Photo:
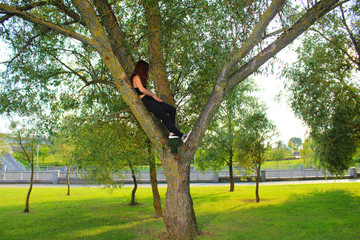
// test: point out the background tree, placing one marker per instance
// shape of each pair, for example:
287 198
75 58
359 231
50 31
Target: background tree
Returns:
27 139
278 153
218 147
248 45
325 86
4 145
295 143
257 131
65 150
308 149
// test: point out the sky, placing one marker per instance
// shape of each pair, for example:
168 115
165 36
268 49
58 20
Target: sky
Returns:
279 111
288 125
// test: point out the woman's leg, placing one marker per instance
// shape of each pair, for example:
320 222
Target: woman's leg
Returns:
170 110
159 111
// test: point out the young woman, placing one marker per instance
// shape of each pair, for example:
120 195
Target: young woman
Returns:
152 103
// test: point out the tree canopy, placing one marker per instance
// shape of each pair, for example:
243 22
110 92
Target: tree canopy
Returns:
326 88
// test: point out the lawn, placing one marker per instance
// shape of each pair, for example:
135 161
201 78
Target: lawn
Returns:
318 211
287 164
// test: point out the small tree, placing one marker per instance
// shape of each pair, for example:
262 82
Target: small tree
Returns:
4 146
65 149
307 151
257 130
295 143
44 152
218 148
27 140
278 153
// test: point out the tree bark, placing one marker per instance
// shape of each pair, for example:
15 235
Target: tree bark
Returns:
133 202
231 172
27 203
257 182
157 60
179 214
117 37
154 183
68 179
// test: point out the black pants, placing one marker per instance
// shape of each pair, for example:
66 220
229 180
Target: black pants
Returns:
161 110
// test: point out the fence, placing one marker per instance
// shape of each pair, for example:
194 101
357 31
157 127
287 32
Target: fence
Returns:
59 177
24 177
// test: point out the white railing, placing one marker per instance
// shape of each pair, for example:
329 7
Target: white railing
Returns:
40 177
195 176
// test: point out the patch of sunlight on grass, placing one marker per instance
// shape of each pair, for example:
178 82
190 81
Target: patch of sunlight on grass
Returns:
96 231
294 212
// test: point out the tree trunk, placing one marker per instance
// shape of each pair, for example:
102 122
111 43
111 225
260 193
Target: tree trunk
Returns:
154 186
135 185
68 179
27 207
231 174
257 182
179 215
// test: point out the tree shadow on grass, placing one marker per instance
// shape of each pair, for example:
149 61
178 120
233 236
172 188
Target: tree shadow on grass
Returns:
100 218
317 215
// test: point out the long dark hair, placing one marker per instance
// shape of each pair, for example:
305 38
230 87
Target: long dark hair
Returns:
141 70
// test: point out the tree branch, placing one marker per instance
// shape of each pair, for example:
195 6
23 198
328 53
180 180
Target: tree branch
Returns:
352 37
256 35
23 8
309 18
220 89
103 47
336 46
157 60
67 10
117 37
274 33
52 26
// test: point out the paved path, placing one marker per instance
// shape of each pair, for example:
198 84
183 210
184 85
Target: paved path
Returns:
148 185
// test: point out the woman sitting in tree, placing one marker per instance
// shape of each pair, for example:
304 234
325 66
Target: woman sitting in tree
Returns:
152 103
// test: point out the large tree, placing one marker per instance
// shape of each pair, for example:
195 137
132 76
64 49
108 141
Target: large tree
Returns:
325 86
248 43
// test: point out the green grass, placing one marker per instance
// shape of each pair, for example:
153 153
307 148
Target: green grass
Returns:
319 211
51 160
287 164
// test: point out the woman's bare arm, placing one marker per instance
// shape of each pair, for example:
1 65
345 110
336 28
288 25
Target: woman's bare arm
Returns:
138 84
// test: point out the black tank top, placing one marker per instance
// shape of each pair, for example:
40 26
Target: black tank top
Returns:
138 91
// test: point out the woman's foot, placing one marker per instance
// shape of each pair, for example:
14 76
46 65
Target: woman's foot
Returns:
172 135
185 136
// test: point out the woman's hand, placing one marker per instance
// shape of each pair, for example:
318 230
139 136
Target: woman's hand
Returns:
157 99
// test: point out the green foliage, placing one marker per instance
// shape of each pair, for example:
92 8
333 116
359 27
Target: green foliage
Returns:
105 148
278 153
325 90
218 147
308 150
4 145
295 143
257 131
